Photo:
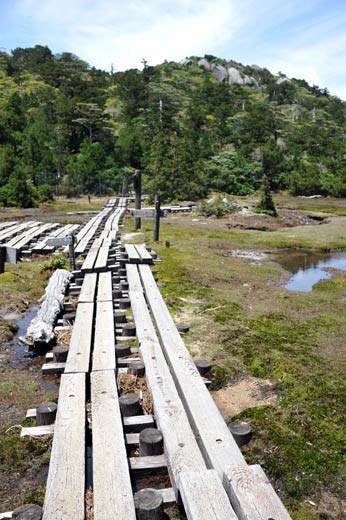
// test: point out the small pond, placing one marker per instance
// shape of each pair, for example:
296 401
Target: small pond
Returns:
20 354
308 267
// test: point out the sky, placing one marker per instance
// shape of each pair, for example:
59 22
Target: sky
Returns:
305 39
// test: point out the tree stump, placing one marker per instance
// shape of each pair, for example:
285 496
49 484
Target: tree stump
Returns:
60 354
129 405
28 512
241 432
45 413
203 366
129 329
150 442
148 504
136 368
122 350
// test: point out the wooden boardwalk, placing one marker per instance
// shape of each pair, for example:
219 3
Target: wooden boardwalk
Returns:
122 324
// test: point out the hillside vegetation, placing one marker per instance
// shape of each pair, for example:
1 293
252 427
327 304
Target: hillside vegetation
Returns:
195 126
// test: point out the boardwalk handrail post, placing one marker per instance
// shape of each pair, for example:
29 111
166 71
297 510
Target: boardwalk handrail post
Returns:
137 184
157 218
2 259
72 252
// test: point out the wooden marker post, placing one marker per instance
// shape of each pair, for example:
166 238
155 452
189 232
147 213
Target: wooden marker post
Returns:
137 184
71 252
2 259
157 218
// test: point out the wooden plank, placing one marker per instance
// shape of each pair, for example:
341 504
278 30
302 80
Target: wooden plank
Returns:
104 291
49 369
78 358
215 440
252 495
181 448
88 264
202 505
132 253
145 256
104 342
112 491
65 492
168 496
37 431
88 290
102 258
148 464
137 423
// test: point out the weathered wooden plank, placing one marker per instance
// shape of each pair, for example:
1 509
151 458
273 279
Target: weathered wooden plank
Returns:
37 431
137 423
168 496
88 264
202 505
112 492
148 464
181 448
252 495
49 369
65 492
88 290
101 260
132 253
104 290
104 342
215 440
78 358
145 256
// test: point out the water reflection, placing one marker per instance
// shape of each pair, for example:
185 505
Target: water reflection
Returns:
308 268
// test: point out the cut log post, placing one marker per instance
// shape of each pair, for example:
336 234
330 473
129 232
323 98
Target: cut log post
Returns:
2 259
149 504
124 303
124 286
117 294
120 316
241 432
46 413
122 350
69 317
60 354
150 442
183 327
40 331
136 368
129 405
203 366
28 512
129 329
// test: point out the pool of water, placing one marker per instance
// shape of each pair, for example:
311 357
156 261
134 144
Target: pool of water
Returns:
308 267
20 354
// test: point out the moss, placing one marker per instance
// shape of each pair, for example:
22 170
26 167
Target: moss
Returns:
17 453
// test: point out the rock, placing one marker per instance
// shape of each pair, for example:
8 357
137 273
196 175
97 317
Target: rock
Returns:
204 64
256 67
28 512
187 62
220 73
283 80
234 76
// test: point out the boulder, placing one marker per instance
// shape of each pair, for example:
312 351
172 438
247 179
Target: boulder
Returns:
234 76
220 73
187 62
283 80
256 67
204 64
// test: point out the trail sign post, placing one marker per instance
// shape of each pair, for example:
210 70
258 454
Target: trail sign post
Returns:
157 218
65 241
137 183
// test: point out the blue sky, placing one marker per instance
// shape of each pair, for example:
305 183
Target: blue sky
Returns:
301 38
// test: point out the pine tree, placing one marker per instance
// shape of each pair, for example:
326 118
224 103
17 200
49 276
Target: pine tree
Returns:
266 204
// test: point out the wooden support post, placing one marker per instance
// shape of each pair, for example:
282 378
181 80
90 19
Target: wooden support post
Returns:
136 368
72 252
137 183
45 413
60 354
129 405
203 366
2 259
122 350
241 432
129 329
148 504
157 219
150 442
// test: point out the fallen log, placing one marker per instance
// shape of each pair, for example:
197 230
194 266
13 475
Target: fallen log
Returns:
40 331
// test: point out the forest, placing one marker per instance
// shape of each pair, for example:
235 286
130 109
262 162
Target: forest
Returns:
67 128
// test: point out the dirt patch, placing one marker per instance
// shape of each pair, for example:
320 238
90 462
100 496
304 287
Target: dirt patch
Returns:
248 392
